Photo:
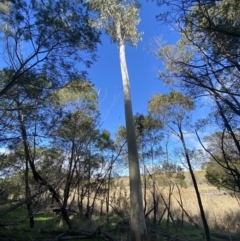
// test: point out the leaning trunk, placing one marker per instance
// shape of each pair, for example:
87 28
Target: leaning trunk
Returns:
204 220
36 175
137 219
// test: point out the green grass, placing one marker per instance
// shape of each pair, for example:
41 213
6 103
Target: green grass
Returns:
18 227
193 233
45 221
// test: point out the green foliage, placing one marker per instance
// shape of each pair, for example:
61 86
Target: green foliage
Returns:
219 176
104 140
110 14
149 135
146 123
76 91
171 109
75 125
174 98
221 19
143 124
223 167
56 33
170 174
205 60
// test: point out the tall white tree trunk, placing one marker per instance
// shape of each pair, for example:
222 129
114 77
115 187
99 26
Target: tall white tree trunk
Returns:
138 226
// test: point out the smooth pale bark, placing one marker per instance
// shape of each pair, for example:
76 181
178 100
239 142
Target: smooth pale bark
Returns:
138 226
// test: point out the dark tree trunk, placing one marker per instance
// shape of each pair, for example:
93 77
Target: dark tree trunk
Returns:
80 200
169 211
108 194
180 196
160 219
155 203
87 214
145 189
189 217
36 175
169 203
28 194
202 213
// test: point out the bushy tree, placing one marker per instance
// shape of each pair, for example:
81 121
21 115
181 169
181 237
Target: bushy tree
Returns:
222 170
41 36
42 42
205 60
174 110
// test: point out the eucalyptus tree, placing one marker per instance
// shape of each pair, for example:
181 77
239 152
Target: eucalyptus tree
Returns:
76 128
119 20
47 36
21 112
35 112
149 137
205 62
24 121
173 110
41 43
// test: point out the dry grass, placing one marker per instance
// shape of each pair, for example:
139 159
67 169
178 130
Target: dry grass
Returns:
221 208
222 211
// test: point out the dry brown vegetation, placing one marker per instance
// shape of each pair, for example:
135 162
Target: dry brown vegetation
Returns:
221 207
222 211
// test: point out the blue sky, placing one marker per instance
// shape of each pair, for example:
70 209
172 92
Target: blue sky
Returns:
142 66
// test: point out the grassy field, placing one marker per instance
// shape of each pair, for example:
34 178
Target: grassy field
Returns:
221 208
219 205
